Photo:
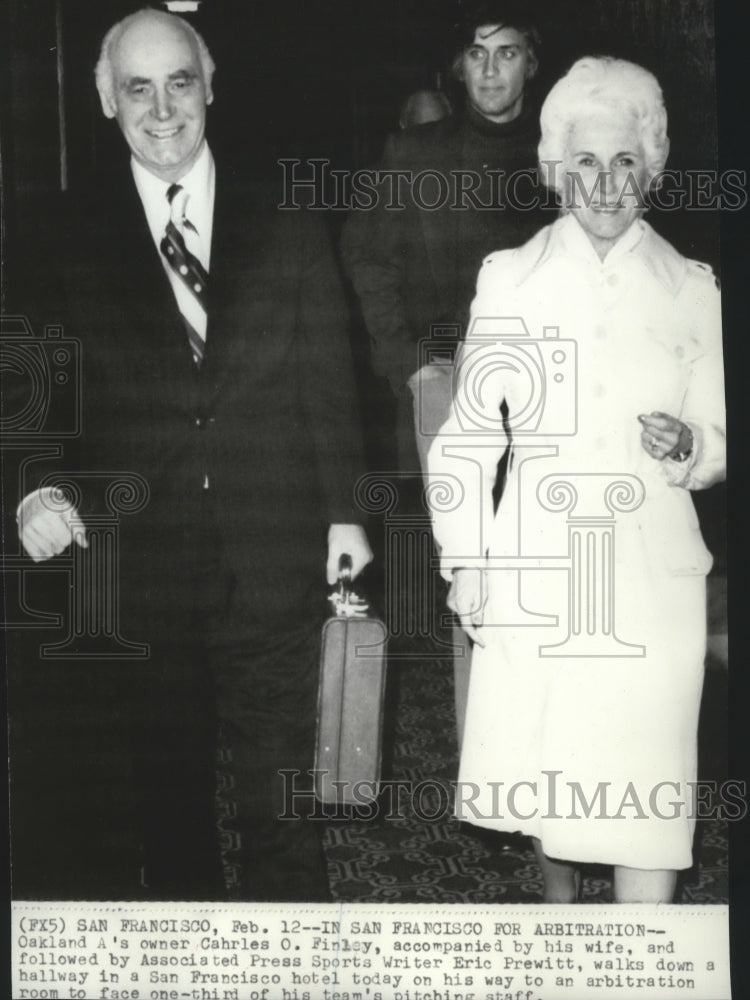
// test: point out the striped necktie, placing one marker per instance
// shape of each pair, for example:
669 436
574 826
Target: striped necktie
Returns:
189 270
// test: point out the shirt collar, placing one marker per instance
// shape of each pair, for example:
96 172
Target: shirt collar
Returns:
199 182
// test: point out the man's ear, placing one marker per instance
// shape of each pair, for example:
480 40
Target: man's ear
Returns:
532 66
109 107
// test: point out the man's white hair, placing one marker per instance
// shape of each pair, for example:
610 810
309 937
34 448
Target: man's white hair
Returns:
616 86
103 74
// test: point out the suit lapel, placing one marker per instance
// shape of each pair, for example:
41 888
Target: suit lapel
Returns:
244 266
143 288
239 271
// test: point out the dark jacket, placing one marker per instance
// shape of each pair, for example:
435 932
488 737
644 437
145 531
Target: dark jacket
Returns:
270 417
410 266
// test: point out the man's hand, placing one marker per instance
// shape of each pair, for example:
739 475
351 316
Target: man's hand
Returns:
467 597
347 539
438 367
45 525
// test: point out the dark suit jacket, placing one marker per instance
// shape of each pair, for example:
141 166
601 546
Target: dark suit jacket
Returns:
270 417
407 265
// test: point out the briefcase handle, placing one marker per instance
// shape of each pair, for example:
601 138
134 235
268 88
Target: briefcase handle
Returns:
344 601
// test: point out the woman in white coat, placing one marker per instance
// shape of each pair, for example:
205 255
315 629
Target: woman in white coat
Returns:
585 592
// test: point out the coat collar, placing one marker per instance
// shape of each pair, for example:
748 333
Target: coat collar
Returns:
565 238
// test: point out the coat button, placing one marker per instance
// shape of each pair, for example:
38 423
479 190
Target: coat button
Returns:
613 280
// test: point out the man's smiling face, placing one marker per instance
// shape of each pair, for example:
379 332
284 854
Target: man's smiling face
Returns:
159 95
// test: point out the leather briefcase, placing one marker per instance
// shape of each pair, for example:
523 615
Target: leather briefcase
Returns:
350 700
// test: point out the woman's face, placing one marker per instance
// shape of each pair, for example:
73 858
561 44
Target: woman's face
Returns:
605 176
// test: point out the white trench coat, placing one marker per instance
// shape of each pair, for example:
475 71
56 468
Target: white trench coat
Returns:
583 704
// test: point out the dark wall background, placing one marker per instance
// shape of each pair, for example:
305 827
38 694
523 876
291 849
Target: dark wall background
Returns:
326 78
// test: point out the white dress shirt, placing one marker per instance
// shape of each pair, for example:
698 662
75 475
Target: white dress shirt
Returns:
199 186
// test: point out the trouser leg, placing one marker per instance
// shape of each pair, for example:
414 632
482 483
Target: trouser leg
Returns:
72 824
267 702
174 757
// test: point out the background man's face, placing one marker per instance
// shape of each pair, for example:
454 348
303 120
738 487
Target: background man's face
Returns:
160 96
495 69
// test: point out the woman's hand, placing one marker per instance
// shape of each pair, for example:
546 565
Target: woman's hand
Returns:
664 436
467 597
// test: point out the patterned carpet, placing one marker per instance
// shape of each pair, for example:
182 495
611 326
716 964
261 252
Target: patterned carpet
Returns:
415 852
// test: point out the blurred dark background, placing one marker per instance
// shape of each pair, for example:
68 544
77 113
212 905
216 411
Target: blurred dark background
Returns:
326 78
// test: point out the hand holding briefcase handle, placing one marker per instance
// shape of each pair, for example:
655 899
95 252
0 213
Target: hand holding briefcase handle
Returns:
350 699
345 603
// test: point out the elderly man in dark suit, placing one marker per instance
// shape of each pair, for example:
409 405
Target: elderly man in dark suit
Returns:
216 368
414 267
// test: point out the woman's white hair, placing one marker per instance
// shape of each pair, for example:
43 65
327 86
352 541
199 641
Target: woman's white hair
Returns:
614 85
103 73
